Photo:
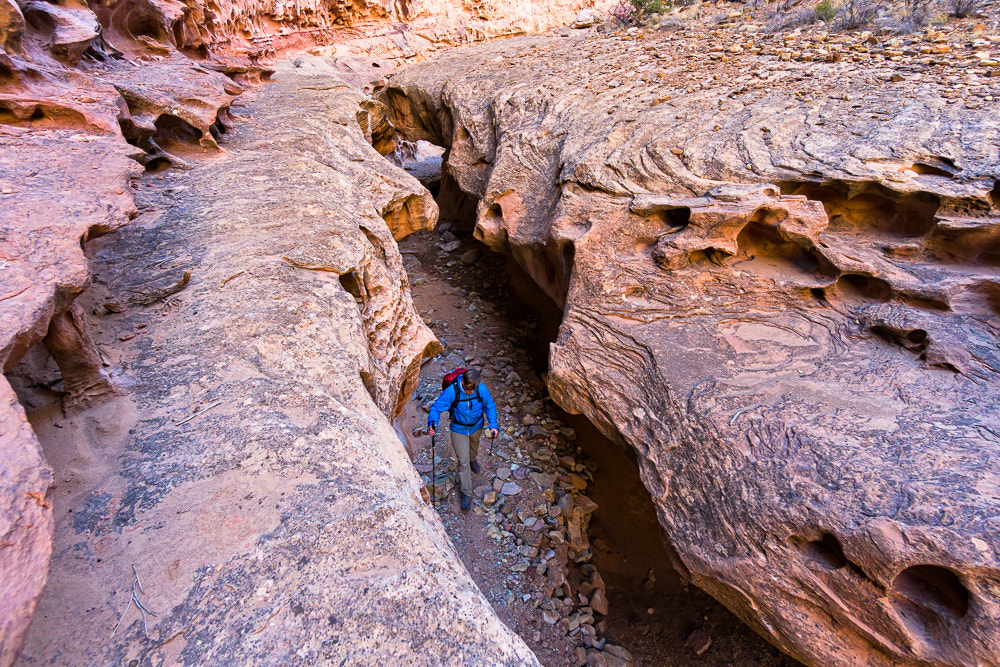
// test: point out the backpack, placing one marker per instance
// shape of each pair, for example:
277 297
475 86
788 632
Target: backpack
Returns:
452 379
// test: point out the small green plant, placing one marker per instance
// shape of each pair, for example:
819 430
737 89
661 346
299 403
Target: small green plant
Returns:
636 12
643 8
825 11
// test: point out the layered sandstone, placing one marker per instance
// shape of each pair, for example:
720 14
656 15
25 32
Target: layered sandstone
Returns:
779 287
92 92
258 493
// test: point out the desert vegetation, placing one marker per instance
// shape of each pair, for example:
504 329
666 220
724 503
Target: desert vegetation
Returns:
892 16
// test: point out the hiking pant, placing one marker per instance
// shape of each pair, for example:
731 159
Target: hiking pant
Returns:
466 449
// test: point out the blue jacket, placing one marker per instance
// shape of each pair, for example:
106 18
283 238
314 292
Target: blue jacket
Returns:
468 411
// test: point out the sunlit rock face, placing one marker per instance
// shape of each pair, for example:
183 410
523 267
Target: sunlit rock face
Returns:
779 288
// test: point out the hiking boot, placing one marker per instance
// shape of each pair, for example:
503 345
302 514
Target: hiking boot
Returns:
466 501
475 466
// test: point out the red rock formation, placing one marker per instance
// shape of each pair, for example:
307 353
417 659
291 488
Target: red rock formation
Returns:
25 523
781 295
90 93
68 341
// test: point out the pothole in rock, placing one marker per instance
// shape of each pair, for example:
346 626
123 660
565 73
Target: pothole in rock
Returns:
609 589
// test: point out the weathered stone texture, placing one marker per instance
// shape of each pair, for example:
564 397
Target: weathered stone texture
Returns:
82 188
779 288
78 81
25 523
267 504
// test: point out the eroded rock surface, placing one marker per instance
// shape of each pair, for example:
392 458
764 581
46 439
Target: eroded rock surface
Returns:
65 176
92 92
780 288
44 212
25 523
248 471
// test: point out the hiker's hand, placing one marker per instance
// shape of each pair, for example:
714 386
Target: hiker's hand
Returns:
431 430
493 432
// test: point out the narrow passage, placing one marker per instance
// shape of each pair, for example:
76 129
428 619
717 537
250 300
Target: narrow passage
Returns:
520 543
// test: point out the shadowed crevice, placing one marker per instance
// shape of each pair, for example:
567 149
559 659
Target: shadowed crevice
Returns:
933 588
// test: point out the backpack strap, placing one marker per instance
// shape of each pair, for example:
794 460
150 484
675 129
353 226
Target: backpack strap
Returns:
458 398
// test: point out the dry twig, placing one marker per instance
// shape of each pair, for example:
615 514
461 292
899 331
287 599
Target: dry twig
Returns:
200 412
136 584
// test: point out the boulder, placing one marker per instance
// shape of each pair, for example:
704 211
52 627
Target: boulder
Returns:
73 29
586 18
11 25
796 333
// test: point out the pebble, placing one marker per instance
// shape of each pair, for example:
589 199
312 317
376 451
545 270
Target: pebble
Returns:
698 641
510 489
599 603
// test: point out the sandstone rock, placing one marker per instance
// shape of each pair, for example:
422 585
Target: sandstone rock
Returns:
44 233
73 28
544 481
510 489
537 432
306 532
470 257
596 659
585 19
25 524
698 641
599 603
614 659
171 106
812 342
69 343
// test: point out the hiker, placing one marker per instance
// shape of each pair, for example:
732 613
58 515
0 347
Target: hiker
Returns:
468 402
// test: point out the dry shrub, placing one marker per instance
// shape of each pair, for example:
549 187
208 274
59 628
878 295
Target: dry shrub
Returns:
857 14
964 8
781 20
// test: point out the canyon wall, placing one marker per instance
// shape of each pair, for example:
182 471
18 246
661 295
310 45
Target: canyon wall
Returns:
246 486
777 259
92 93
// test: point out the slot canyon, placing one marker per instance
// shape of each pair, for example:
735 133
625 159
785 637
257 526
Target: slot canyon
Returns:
731 271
